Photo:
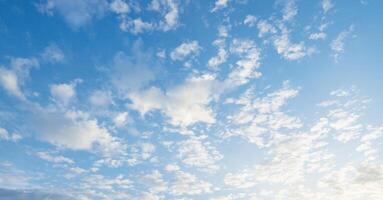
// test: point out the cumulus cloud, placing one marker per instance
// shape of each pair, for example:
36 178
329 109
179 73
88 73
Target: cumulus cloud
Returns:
289 50
170 12
64 93
119 7
14 77
219 4
248 63
184 50
75 130
250 20
180 103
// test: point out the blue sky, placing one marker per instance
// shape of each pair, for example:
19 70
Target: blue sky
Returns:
168 99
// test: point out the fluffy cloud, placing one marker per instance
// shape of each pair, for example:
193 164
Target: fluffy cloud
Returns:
63 93
250 20
75 130
119 6
180 103
247 64
14 77
169 10
219 4
184 50
289 50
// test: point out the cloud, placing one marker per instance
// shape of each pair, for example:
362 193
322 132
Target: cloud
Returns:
31 195
75 130
247 64
136 26
14 77
101 98
327 5
265 27
193 152
337 45
54 158
180 103
219 4
188 184
121 119
64 93
184 50
5 135
289 50
250 20
132 72
223 54
119 7
77 13
170 12
53 54
290 10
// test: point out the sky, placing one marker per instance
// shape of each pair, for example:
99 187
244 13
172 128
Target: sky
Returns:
209 100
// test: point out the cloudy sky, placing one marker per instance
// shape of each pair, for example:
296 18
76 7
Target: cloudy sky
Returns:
173 99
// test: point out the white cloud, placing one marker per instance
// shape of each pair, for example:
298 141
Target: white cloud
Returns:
337 45
250 20
63 93
222 55
77 13
121 119
327 5
170 12
219 4
75 130
317 36
10 83
193 152
101 98
14 77
5 135
54 158
265 27
180 103
247 64
119 7
289 50
135 26
184 50
53 54
188 184
290 10
259 116
154 181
